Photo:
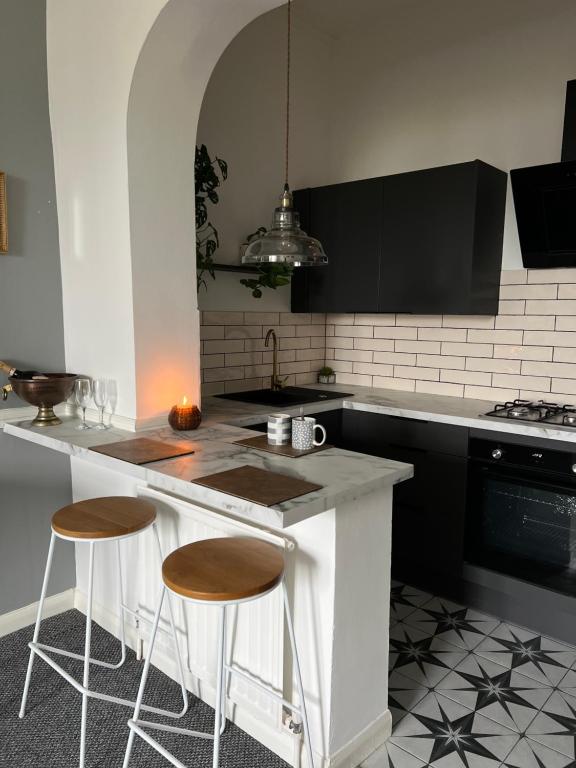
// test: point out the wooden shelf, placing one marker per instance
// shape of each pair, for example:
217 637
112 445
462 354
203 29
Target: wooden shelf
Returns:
235 268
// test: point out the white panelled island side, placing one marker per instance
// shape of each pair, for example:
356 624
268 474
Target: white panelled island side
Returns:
337 543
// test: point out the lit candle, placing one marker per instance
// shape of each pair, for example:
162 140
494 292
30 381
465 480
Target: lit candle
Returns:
184 416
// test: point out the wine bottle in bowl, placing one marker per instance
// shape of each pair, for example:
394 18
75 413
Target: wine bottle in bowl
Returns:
15 373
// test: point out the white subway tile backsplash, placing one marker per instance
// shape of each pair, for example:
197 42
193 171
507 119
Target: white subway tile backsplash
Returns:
566 323
355 355
442 334
546 291
375 320
564 386
528 349
491 365
440 388
468 321
222 318
513 307
495 337
378 345
367 331
340 342
395 333
552 338
441 361
518 352
373 369
420 321
466 349
466 377
560 370
552 275
526 322
514 276
513 381
389 382
262 318
395 358
495 394
559 307
412 372
426 347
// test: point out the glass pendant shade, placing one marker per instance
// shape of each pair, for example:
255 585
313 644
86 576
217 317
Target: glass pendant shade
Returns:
285 243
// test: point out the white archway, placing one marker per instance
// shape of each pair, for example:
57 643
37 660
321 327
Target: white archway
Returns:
125 90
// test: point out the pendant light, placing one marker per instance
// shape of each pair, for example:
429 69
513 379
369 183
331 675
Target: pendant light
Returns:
286 243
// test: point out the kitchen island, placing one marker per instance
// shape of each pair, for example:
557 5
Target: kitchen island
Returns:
337 543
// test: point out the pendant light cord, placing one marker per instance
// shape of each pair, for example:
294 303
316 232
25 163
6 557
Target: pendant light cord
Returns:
288 93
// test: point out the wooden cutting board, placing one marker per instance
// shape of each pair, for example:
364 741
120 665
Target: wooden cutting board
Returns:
258 485
260 442
143 450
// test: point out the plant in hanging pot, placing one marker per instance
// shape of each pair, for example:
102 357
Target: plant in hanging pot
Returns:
326 375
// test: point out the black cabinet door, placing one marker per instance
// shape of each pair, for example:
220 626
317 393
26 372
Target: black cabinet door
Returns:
346 219
427 239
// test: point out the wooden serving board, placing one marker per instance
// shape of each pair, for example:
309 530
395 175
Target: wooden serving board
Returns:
258 485
143 450
261 444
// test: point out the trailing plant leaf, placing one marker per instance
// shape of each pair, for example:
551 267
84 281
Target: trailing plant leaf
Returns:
269 276
208 175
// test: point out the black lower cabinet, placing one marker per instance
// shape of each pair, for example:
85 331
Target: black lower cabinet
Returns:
429 510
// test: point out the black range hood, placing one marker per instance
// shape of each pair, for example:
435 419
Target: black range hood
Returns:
545 202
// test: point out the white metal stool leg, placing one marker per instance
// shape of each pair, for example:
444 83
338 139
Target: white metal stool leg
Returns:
298 676
145 671
121 606
87 643
174 633
38 621
219 680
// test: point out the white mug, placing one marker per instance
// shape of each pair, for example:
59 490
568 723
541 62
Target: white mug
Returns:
303 430
279 428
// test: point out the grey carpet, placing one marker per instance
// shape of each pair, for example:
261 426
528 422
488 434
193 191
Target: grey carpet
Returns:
49 735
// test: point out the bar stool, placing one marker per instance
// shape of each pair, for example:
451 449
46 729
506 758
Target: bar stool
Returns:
112 518
222 572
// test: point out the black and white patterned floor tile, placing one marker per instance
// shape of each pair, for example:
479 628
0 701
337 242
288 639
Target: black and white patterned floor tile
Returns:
451 622
444 734
421 657
469 691
531 654
404 600
497 692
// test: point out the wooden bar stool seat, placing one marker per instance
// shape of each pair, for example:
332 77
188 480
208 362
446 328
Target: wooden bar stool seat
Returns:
108 517
223 570
223 573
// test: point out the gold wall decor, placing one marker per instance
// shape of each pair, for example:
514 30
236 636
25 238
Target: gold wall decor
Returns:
3 215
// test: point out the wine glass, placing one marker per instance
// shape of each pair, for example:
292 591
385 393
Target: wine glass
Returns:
100 394
82 395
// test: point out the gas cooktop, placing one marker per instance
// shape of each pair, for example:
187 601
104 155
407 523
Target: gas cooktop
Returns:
540 412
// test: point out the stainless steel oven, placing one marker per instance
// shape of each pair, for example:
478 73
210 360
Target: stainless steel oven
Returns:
521 511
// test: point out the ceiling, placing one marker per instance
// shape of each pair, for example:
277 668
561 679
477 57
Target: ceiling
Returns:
405 27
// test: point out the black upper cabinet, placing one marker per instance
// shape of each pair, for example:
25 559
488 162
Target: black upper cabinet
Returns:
421 242
346 219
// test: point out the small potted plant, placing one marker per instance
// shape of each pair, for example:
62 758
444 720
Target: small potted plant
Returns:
326 375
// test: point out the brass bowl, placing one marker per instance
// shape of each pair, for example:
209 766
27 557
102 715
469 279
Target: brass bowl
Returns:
45 393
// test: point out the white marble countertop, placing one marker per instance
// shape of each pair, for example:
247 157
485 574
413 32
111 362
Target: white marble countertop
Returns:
343 475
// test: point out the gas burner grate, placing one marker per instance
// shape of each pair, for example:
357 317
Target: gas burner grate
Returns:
541 411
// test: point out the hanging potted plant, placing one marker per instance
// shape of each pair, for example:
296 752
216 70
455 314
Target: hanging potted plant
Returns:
208 175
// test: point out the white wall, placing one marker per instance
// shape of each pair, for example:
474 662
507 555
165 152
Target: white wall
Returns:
386 87
243 121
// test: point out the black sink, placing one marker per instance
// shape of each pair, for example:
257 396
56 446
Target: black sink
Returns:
283 398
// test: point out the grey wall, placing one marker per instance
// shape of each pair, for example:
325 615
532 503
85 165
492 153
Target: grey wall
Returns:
33 481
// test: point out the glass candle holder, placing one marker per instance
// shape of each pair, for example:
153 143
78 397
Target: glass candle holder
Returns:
184 416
